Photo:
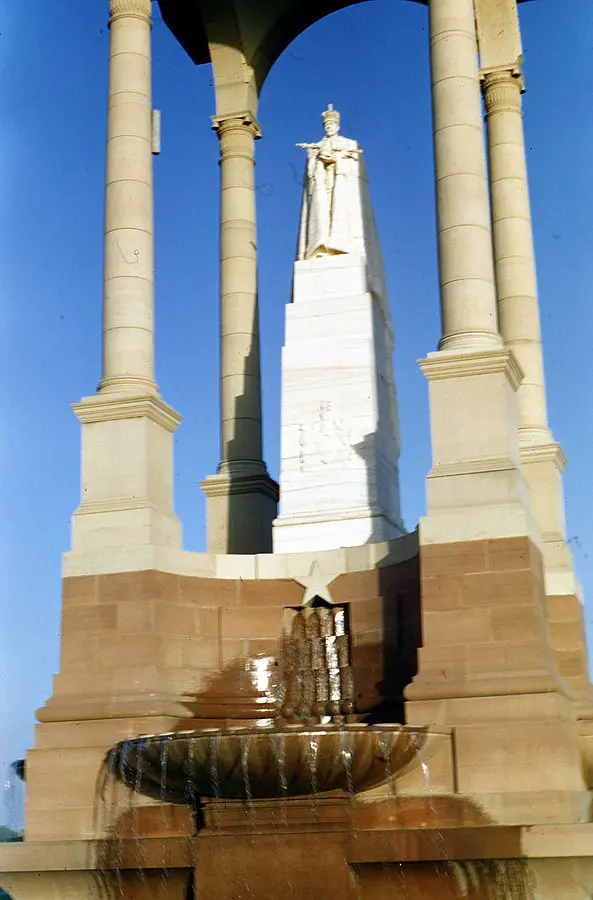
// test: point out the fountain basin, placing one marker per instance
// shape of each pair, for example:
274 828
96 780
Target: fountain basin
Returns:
264 762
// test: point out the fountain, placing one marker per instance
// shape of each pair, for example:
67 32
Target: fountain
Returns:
264 762
307 748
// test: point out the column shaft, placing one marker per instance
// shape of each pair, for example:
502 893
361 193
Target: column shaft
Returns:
241 426
128 341
468 296
513 248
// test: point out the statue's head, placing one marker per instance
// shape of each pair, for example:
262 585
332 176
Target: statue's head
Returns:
331 120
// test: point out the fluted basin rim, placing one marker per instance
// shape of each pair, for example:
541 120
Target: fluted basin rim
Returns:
248 763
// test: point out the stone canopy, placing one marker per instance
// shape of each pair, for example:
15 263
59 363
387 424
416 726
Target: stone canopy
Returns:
244 38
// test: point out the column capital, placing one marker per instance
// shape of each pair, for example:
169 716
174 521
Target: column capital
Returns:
502 88
237 133
239 121
137 9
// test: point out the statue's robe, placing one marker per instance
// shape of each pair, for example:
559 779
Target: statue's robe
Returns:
330 199
341 219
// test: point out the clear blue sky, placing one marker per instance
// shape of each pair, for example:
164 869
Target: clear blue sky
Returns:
371 61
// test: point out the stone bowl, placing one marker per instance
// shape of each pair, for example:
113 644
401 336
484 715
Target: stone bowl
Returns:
263 762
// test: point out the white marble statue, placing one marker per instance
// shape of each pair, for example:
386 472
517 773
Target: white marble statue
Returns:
337 215
332 192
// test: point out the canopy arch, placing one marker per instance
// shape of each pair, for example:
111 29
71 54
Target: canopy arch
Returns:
244 38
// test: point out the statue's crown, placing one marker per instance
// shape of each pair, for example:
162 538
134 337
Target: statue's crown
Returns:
330 114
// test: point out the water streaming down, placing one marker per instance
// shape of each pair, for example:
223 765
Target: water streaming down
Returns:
107 815
164 750
14 798
140 852
492 879
315 666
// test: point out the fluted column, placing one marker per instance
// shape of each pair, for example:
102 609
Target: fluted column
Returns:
240 384
468 297
513 247
241 498
128 343
475 486
127 433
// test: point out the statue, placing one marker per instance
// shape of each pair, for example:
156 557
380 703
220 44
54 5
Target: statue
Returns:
332 192
340 431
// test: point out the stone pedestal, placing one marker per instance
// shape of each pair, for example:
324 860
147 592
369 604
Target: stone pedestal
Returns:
240 511
127 474
340 443
487 669
475 488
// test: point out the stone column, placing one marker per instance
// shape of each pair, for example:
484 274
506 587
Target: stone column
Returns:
542 458
128 341
513 248
240 384
127 446
242 498
468 296
475 485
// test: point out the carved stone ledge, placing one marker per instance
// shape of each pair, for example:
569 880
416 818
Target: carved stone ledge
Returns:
105 408
445 364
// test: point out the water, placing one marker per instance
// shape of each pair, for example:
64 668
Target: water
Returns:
245 743
140 853
315 667
313 761
162 890
492 879
14 800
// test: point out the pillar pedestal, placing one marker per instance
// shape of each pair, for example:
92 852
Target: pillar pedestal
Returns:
240 511
127 474
475 488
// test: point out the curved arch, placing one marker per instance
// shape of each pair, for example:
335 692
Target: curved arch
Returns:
243 39
189 21
291 23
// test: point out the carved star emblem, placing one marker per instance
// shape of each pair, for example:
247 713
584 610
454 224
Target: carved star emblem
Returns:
316 584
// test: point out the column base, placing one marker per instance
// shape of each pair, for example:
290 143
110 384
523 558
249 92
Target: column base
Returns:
475 489
241 509
127 474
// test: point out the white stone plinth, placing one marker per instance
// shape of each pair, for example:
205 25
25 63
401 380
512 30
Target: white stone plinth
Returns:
339 472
